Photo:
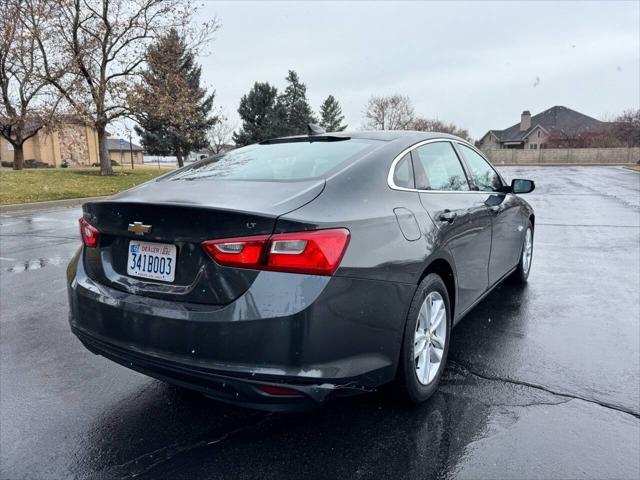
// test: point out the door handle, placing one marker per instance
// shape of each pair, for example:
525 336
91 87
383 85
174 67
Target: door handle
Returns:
447 216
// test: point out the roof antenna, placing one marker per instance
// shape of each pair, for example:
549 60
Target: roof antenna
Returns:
313 129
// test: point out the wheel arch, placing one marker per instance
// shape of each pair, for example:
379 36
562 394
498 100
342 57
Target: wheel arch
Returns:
443 267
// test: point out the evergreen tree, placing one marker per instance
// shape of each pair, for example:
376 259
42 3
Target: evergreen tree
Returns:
262 116
331 115
296 108
172 109
265 114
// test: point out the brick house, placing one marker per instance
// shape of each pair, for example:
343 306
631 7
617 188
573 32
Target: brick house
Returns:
532 131
73 142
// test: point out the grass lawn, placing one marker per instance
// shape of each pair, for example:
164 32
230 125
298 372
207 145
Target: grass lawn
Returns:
633 166
42 184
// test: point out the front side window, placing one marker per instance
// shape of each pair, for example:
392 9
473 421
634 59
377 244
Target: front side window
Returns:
484 176
278 161
438 168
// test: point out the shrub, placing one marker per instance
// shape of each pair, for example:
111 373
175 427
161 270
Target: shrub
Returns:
113 164
31 163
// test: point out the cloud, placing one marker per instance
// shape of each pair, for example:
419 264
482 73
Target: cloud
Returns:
472 63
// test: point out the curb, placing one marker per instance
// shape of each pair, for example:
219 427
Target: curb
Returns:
69 202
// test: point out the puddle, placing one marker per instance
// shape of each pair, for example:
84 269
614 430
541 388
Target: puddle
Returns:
36 264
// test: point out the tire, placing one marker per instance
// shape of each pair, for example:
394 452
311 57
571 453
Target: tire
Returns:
417 384
521 274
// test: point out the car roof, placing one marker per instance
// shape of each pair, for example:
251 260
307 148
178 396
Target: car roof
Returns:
383 135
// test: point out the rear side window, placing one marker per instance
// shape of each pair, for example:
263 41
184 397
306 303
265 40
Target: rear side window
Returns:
438 168
403 173
484 176
279 161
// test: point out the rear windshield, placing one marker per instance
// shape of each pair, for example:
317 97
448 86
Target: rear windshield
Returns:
279 161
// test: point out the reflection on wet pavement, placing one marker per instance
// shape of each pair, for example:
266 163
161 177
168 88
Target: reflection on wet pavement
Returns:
36 264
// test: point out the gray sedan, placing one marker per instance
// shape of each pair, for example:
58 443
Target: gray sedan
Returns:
281 274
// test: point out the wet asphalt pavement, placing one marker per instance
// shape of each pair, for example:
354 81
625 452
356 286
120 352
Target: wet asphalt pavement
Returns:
542 381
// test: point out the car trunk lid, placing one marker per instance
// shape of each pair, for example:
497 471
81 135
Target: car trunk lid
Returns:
185 214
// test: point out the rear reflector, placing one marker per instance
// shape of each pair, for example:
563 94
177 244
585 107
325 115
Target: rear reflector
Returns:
90 234
279 391
315 252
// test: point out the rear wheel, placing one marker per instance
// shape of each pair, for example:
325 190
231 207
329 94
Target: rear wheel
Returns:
426 340
521 274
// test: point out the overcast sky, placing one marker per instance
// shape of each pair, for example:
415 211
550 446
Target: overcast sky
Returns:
478 64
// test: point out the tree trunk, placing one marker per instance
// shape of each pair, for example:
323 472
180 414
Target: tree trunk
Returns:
180 159
18 156
105 161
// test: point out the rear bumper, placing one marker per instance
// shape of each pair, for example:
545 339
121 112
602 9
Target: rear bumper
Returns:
319 336
225 388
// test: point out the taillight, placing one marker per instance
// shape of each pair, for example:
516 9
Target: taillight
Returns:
237 252
316 252
90 234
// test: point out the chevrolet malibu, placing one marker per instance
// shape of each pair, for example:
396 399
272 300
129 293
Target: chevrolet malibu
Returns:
281 274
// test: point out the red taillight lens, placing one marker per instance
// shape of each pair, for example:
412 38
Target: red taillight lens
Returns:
237 252
90 234
316 252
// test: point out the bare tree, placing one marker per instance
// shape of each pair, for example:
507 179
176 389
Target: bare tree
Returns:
626 128
603 136
622 131
28 104
100 46
434 125
561 138
221 134
393 112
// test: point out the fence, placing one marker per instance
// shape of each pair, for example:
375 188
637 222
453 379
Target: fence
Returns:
565 156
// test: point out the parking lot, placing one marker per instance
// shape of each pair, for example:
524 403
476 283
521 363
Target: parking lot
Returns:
542 381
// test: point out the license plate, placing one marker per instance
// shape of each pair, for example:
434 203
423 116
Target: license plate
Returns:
156 261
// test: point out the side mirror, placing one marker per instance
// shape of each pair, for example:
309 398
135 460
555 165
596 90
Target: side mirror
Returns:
522 186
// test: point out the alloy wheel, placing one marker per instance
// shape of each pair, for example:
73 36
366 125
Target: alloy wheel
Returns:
527 252
430 337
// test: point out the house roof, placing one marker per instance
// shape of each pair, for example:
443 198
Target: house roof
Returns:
114 144
557 117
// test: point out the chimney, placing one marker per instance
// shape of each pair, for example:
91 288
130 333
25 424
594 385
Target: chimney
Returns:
525 121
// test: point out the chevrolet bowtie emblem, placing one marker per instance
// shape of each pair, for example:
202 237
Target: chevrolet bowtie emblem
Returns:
138 228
